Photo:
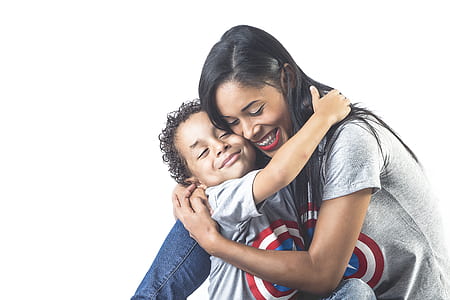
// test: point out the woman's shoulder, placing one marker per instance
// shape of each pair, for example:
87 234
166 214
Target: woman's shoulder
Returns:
355 131
367 137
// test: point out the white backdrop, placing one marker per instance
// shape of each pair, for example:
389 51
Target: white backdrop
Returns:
85 87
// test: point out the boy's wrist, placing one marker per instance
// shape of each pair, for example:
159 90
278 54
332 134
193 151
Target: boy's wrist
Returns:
326 119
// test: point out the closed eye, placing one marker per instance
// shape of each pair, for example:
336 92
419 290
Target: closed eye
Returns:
203 153
224 134
257 112
233 123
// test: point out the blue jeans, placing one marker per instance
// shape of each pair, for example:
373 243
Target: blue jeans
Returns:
351 289
181 266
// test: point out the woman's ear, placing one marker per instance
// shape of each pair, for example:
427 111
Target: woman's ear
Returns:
287 77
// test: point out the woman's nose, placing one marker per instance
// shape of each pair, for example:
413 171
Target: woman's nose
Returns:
247 130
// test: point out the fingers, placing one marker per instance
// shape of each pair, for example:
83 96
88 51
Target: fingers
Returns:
191 187
199 205
179 192
315 96
175 201
189 203
185 203
188 191
346 101
208 205
175 204
343 97
334 93
177 208
199 192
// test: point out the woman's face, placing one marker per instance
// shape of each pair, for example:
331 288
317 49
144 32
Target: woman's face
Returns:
260 115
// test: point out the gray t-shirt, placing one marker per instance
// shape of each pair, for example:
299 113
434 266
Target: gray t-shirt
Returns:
272 224
400 253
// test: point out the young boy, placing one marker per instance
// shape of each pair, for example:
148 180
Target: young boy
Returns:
254 207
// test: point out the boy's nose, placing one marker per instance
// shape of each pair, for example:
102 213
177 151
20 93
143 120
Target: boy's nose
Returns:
221 147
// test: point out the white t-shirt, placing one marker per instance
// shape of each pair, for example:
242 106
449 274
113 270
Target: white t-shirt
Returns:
273 224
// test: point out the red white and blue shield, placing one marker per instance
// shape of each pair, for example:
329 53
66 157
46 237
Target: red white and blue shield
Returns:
367 261
280 235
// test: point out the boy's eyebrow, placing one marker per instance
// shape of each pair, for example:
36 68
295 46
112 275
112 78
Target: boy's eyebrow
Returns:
194 144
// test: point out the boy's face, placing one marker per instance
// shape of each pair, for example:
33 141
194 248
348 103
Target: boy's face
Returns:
213 155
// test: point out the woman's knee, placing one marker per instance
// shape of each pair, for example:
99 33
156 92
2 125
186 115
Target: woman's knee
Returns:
350 289
357 288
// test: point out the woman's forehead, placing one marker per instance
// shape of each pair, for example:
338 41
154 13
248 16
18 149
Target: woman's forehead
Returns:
232 96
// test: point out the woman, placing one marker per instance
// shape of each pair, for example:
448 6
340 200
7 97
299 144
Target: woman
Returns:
378 217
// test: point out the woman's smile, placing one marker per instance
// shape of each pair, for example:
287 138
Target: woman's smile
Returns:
270 141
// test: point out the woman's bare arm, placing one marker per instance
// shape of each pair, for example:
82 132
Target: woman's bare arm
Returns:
317 270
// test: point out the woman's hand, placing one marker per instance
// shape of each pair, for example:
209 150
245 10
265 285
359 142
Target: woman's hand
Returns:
193 210
333 106
178 193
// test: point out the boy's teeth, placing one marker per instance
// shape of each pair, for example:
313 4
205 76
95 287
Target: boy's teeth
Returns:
269 140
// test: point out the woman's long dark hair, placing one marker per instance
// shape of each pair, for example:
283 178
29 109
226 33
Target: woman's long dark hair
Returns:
253 58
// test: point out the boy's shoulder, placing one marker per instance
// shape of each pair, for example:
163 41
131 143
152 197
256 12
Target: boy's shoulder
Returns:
233 185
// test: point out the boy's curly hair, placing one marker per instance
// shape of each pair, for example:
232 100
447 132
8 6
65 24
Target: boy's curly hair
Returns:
171 156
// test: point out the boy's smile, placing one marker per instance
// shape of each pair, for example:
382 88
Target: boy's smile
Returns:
229 160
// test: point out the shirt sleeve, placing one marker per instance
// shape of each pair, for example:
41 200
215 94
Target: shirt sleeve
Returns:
232 201
353 162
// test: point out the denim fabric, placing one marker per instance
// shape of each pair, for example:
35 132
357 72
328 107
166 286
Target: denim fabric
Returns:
179 268
351 289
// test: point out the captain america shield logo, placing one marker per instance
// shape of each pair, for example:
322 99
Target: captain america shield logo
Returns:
367 261
280 235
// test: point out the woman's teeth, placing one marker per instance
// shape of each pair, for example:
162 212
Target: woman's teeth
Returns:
268 140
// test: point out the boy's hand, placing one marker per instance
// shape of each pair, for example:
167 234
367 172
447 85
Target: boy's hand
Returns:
200 193
333 106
